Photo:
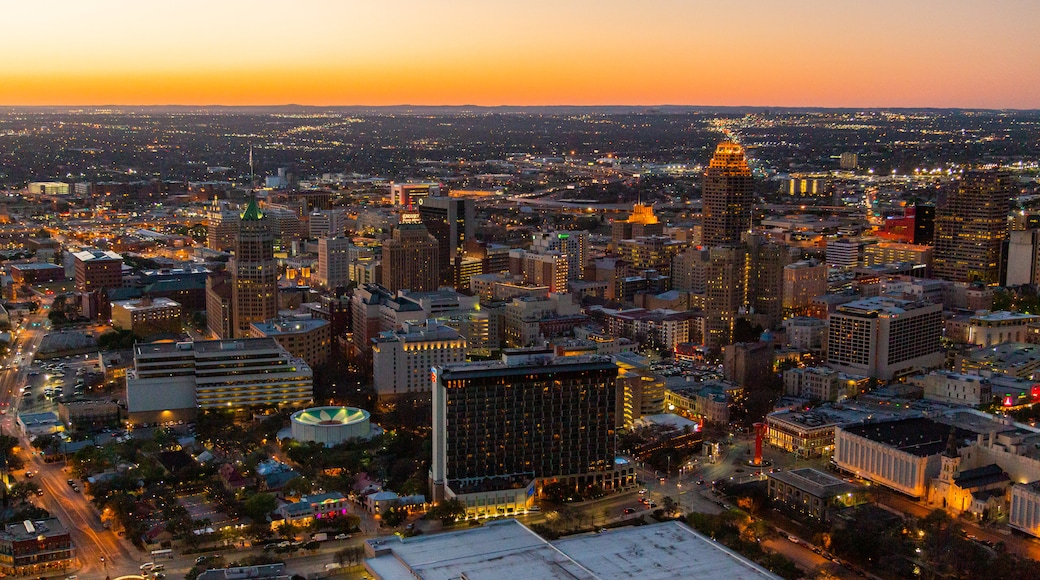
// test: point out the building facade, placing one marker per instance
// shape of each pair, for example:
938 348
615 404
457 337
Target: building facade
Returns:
402 359
254 273
728 196
306 338
885 337
411 259
971 223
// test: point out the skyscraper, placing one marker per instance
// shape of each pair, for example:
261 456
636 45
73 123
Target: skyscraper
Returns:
451 220
411 259
727 198
499 426
254 272
970 225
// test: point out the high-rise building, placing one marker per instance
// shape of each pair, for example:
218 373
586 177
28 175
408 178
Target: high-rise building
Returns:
306 338
97 270
548 269
970 226
728 195
218 305
573 245
849 160
328 223
885 337
725 293
803 281
1023 258
844 253
892 252
924 223
254 273
402 359
334 257
498 427
222 229
651 252
411 259
451 220
409 195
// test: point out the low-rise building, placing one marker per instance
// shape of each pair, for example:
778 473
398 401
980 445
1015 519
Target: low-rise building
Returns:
36 548
1024 514
82 415
822 384
812 492
311 507
1014 359
954 388
148 316
806 333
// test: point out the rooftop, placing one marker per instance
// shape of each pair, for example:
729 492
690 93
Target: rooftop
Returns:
288 326
146 304
918 436
816 483
658 551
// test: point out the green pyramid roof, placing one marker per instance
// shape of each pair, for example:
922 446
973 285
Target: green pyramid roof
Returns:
252 212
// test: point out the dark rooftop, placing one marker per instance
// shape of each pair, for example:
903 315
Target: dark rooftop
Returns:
918 436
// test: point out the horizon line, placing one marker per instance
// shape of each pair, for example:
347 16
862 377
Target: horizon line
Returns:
513 106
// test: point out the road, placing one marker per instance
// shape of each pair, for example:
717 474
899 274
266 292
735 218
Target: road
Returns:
99 551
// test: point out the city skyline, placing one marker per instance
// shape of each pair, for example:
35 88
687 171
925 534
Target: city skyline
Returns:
813 53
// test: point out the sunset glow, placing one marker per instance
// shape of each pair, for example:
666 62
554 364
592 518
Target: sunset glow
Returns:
324 52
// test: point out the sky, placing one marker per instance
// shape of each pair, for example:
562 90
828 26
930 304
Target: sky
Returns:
827 53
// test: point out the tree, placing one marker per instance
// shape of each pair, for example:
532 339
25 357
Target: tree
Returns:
23 490
448 511
394 515
259 506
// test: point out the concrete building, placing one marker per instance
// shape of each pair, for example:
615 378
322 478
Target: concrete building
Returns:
97 270
641 222
747 362
550 269
502 429
971 223
728 196
148 316
411 195
803 281
903 455
334 260
640 393
892 253
402 359
813 493
1014 359
806 333
222 229
328 223
411 259
170 381
656 551
822 384
651 253
844 254
527 321
306 338
573 245
1023 258
218 305
254 272
1024 514
885 338
664 328
954 388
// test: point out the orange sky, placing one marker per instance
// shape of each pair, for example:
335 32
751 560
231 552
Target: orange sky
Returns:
941 53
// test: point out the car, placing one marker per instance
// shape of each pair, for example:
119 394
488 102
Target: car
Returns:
642 491
284 544
158 575
700 482
534 508
341 537
39 493
629 511
29 474
201 559
147 566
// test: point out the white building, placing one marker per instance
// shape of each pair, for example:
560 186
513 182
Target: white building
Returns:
334 256
1025 508
885 337
402 359
821 384
328 223
409 194
844 253
171 380
991 328
806 333
954 388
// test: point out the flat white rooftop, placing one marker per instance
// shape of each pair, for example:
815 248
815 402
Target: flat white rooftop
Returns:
508 549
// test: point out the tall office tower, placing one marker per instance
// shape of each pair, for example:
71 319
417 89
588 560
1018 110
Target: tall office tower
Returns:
885 337
411 194
222 229
573 245
728 196
550 269
218 304
651 253
765 280
924 223
451 220
334 259
285 226
803 281
411 259
849 161
725 293
498 427
1023 258
254 273
970 226
328 223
